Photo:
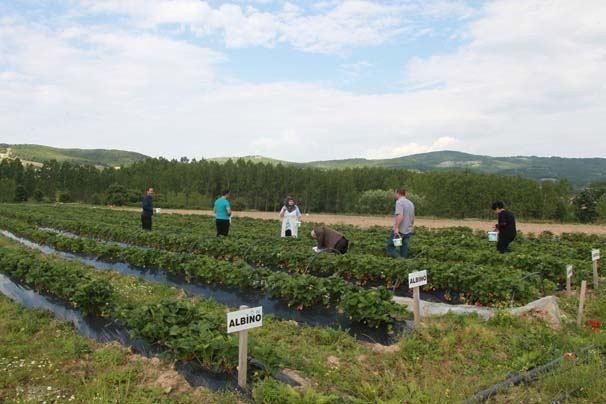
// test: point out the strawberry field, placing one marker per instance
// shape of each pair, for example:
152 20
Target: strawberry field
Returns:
462 264
463 267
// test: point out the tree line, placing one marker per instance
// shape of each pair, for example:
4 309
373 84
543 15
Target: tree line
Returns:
262 186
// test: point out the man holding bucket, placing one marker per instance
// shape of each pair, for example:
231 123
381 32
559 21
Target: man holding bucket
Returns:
397 245
506 227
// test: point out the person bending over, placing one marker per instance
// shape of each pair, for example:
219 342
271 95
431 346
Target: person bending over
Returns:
329 239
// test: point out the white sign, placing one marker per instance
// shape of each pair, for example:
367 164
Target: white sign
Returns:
416 279
595 254
569 271
244 319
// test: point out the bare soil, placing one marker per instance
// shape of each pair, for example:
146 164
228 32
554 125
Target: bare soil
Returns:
386 221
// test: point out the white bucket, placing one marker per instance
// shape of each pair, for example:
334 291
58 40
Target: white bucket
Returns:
397 242
492 236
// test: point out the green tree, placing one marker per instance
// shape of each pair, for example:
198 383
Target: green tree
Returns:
38 195
7 189
116 194
585 206
21 193
376 201
600 207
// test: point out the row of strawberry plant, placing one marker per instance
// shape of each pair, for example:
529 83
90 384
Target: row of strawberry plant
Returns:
190 331
454 244
477 283
360 267
300 290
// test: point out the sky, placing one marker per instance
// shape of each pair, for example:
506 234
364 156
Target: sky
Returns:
306 80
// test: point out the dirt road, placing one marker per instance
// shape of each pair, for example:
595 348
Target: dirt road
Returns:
367 221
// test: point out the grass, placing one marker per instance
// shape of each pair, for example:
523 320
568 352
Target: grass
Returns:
44 360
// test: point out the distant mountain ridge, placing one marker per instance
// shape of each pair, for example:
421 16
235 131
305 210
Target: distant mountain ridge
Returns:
579 171
37 154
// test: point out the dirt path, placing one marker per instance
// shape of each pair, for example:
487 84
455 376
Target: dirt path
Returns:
367 221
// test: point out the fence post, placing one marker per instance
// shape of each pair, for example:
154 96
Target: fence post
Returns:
581 303
596 278
243 355
416 304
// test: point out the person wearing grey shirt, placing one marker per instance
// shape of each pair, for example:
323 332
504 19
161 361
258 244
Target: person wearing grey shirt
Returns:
402 228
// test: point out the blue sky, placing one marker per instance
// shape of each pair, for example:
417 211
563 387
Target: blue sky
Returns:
305 80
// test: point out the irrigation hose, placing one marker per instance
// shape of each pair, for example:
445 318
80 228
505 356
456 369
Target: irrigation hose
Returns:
485 394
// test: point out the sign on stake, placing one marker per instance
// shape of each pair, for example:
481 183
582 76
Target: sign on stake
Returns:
415 281
595 259
569 279
595 254
241 321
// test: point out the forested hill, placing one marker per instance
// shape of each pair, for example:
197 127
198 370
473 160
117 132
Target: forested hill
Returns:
579 171
97 157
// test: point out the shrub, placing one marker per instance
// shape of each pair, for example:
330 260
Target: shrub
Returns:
377 201
64 197
116 195
21 193
38 195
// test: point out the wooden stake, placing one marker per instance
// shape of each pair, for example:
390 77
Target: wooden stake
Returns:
581 303
416 304
568 280
243 356
596 278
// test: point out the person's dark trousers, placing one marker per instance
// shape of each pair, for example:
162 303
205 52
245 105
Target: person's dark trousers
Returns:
146 222
503 243
222 227
342 245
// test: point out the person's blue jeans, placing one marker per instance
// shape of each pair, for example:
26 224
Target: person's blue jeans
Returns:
398 252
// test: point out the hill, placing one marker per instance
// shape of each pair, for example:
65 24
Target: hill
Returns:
579 171
97 157
253 159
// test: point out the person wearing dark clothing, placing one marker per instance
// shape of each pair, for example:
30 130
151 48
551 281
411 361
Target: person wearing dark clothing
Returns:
329 239
148 209
506 227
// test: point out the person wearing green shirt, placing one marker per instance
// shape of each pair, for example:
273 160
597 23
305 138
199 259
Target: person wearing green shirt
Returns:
222 211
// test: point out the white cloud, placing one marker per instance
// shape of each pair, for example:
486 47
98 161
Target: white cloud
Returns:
324 27
530 79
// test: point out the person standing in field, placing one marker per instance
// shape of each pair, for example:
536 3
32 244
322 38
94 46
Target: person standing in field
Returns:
329 239
291 218
402 227
222 211
147 209
506 227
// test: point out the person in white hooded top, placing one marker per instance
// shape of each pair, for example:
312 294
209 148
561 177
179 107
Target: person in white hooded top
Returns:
291 217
